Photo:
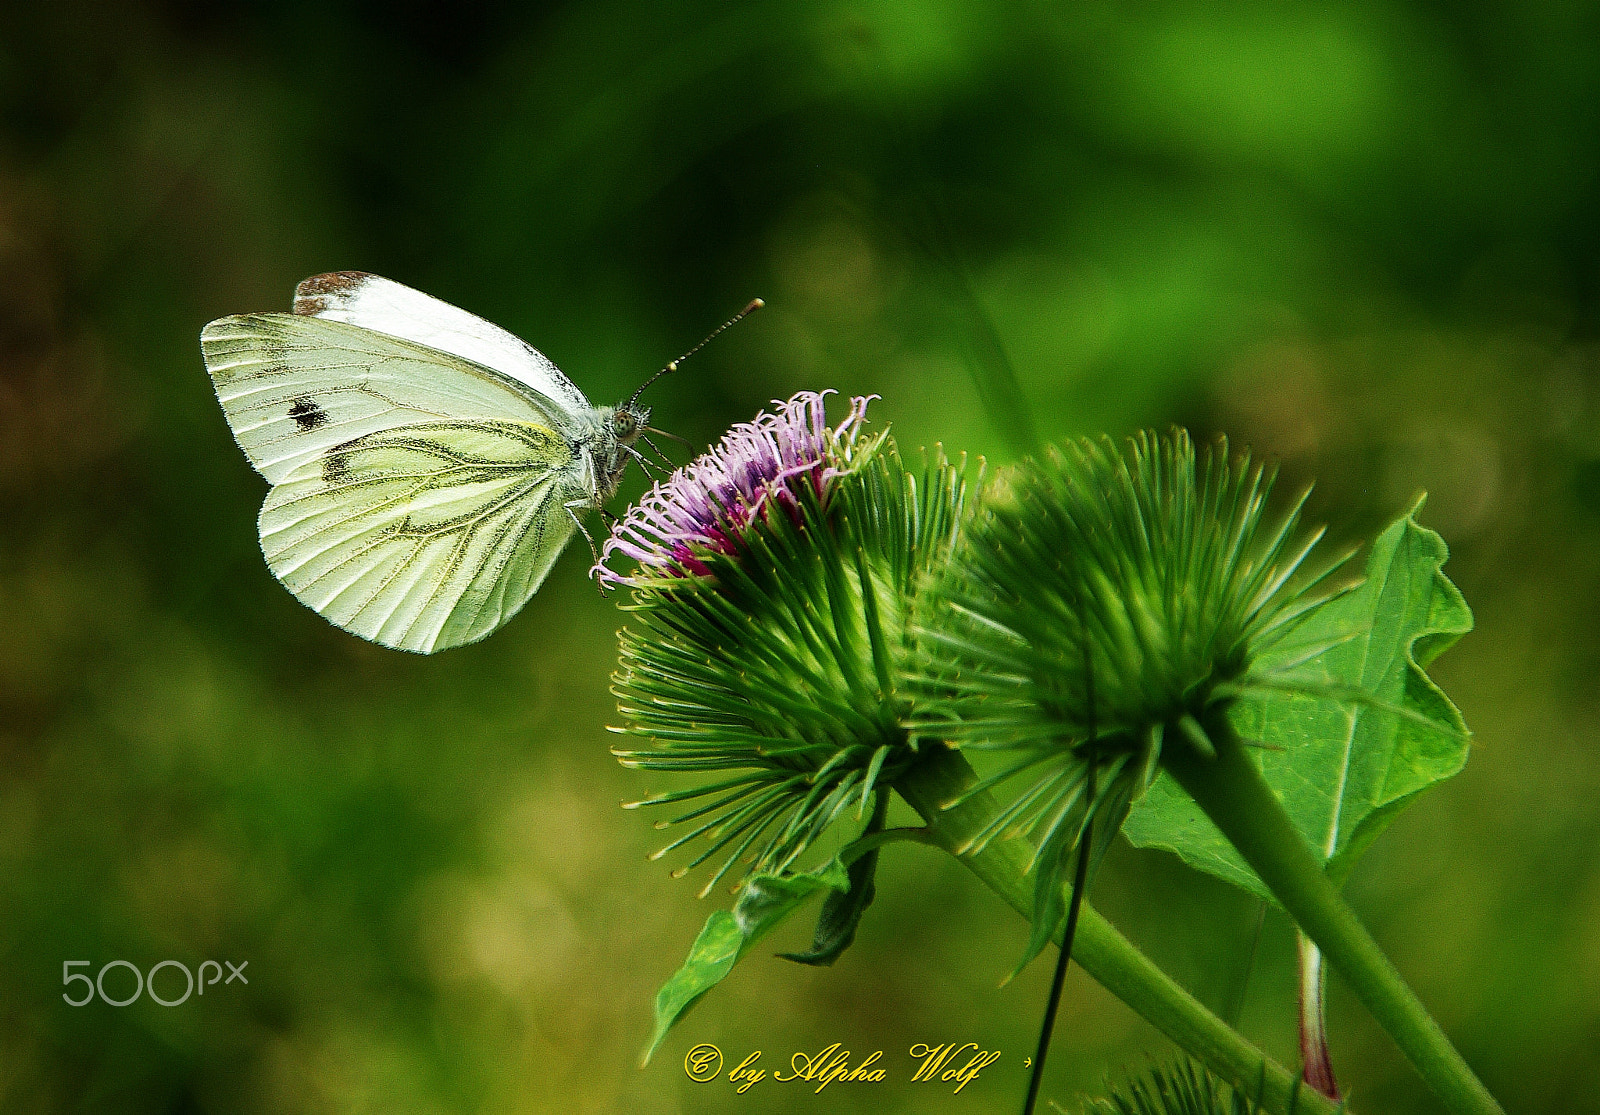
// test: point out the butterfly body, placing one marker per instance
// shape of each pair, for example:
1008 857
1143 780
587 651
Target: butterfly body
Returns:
427 468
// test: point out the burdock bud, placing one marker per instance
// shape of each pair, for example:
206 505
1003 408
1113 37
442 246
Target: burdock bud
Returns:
1102 608
774 577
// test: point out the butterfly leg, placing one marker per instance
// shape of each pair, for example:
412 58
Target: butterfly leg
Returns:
657 448
573 506
643 463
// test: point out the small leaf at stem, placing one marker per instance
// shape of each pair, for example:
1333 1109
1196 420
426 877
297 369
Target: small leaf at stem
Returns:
841 914
764 902
842 910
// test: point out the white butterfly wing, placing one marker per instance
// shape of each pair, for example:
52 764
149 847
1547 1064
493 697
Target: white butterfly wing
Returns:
423 536
293 387
418 498
374 302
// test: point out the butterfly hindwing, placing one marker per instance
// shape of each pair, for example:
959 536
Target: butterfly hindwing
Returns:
426 535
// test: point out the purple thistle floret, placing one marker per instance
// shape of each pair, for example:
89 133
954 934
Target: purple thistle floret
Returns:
705 504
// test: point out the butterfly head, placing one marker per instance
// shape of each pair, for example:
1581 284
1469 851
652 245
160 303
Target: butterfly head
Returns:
611 443
628 422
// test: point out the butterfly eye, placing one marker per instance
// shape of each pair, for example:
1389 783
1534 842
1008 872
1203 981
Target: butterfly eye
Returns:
624 424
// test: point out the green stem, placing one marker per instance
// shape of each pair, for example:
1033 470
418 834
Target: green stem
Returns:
1238 800
1099 949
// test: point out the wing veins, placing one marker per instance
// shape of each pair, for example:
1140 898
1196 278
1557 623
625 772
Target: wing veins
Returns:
502 586
511 523
420 484
463 543
423 537
460 549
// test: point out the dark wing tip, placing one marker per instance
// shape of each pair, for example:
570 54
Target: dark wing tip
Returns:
313 295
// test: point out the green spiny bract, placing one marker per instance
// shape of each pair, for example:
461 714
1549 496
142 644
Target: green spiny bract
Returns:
1103 605
769 630
1184 1088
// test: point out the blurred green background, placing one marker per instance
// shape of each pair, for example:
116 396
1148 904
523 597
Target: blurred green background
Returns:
1362 237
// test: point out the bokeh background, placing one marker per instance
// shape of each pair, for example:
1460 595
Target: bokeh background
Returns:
1360 236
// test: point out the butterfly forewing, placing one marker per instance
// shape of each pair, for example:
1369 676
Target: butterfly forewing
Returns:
374 302
426 535
294 387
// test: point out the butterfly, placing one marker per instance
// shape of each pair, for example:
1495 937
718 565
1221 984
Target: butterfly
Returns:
427 467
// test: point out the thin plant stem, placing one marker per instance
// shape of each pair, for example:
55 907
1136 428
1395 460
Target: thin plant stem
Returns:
1080 880
1232 792
943 776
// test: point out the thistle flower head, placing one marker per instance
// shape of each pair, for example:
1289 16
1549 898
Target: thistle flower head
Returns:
1106 603
1112 593
768 627
758 465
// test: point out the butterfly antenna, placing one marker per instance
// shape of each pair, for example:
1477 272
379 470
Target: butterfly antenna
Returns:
665 434
755 304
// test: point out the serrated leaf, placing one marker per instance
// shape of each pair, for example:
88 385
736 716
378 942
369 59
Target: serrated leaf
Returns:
1343 769
1185 1088
764 902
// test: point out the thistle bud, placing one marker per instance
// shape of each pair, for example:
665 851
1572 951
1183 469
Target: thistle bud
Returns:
768 631
1107 603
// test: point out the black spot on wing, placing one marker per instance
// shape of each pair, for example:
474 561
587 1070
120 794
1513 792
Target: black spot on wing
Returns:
308 415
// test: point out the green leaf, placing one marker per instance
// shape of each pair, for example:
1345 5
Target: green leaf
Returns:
841 914
764 902
1343 768
1052 869
1185 1088
842 910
